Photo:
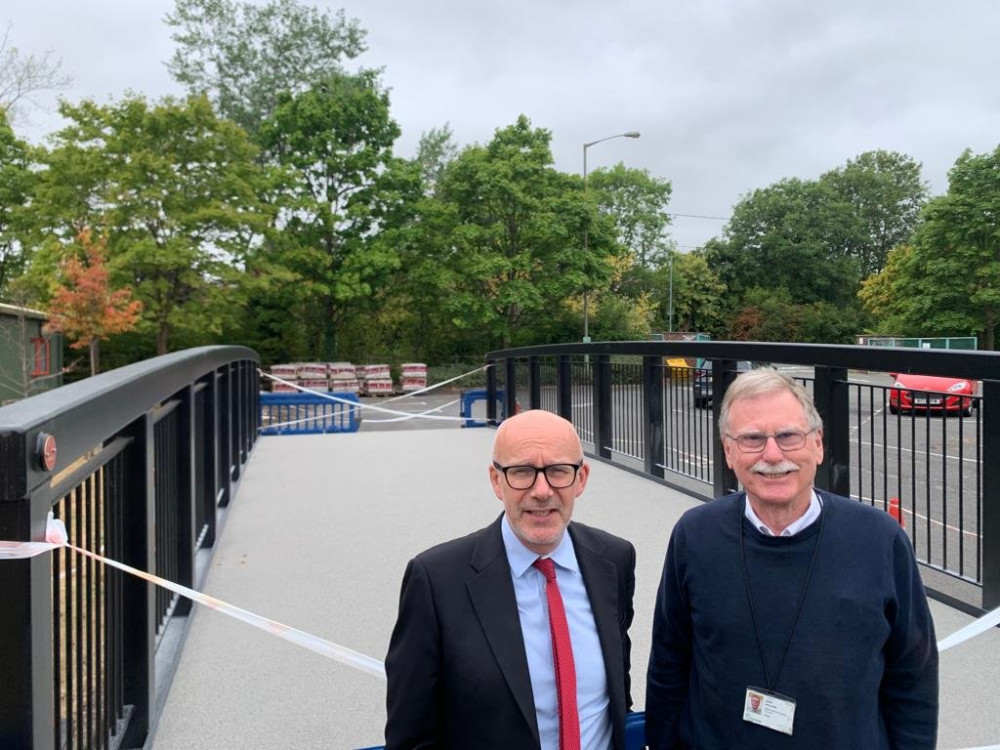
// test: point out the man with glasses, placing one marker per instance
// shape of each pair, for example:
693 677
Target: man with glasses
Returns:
788 617
516 636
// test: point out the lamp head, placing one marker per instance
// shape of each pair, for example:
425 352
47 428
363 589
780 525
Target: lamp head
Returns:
631 134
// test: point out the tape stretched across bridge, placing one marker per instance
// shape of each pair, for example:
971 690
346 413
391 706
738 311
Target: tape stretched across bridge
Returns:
342 654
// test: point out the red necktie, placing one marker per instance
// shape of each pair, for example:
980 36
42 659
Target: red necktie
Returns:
562 658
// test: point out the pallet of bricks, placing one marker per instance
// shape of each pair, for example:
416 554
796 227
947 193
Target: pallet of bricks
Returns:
313 376
343 377
377 380
413 376
288 378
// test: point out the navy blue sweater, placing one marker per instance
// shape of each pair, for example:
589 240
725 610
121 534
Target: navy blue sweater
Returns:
862 664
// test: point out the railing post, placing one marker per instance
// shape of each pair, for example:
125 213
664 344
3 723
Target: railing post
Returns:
491 393
224 409
210 455
138 597
255 404
991 507
652 414
602 405
724 479
564 386
26 664
236 390
534 382
831 397
187 534
510 386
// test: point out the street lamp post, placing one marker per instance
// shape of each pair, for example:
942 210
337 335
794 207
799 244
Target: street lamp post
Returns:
586 315
670 304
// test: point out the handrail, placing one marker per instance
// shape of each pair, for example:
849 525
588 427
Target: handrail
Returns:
975 365
140 463
640 414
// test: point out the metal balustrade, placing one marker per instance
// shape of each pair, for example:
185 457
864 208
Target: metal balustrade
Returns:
146 461
631 408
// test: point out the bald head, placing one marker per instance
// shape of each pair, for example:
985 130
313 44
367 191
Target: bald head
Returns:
535 429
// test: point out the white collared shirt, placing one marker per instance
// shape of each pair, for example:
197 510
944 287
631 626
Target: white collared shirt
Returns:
588 658
811 514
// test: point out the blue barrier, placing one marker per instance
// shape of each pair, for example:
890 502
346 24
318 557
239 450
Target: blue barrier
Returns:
472 395
635 732
308 414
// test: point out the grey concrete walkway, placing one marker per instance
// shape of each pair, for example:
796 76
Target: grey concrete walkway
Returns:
319 534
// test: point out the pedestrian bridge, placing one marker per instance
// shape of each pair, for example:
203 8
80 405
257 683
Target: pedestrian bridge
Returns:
312 531
318 537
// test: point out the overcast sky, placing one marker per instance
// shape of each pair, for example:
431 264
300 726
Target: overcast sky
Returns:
729 96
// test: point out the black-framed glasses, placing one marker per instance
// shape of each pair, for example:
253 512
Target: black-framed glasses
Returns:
754 442
523 477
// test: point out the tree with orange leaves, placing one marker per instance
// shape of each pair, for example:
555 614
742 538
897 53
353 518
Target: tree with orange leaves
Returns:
84 308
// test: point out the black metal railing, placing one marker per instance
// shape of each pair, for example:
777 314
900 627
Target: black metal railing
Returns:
632 408
147 458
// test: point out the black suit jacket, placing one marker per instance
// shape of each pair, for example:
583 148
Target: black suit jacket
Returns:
456 666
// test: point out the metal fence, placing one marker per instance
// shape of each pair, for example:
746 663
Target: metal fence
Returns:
632 408
146 461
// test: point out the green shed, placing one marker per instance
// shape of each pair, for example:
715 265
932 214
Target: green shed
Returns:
31 361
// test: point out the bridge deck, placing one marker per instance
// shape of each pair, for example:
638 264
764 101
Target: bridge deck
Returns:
318 536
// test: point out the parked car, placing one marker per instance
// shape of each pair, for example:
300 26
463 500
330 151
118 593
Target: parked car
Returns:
930 393
703 382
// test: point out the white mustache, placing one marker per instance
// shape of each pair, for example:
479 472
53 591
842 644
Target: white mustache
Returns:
763 467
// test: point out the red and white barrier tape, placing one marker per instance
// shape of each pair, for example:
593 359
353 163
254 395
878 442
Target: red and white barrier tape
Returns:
401 415
342 654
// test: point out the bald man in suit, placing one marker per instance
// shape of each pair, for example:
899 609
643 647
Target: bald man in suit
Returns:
470 662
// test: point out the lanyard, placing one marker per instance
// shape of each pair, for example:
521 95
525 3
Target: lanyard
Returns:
798 610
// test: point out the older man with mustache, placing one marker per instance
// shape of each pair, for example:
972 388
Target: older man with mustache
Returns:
788 617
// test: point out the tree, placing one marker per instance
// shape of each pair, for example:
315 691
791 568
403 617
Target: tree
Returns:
886 193
21 76
245 56
504 242
948 283
334 143
176 188
698 295
84 308
637 202
17 179
794 235
883 296
435 151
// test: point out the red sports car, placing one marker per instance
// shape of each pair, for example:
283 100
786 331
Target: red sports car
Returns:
930 393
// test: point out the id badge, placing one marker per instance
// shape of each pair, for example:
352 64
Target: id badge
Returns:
771 710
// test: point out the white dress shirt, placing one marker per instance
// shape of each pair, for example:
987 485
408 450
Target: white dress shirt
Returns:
811 514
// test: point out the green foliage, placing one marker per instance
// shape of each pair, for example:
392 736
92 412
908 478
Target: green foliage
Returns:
498 247
176 190
334 144
17 179
699 296
245 55
618 318
794 235
886 193
883 298
948 282
772 315
434 152
637 202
